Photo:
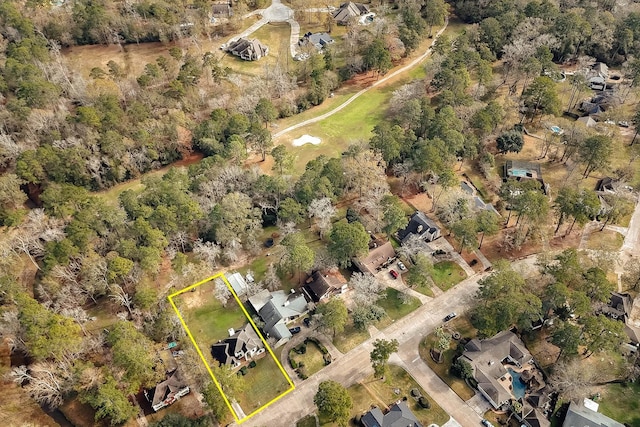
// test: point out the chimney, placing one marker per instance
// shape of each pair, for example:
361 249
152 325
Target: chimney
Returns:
231 332
420 227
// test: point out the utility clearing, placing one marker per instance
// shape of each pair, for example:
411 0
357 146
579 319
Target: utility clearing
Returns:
306 139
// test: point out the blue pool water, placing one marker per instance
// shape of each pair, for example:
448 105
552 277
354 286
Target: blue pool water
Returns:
518 172
518 386
555 129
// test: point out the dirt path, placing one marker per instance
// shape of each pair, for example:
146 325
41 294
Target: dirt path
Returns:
374 395
400 70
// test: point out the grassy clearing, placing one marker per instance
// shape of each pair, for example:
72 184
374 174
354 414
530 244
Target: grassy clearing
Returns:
607 240
350 338
446 274
394 306
466 330
374 392
622 403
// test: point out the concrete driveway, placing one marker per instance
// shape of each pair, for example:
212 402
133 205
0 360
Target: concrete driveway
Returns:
354 366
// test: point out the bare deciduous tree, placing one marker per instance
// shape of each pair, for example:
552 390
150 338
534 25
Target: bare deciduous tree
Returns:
322 211
368 290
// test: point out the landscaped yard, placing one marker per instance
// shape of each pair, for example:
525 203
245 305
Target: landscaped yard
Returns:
311 361
208 321
446 274
264 383
376 392
464 328
622 403
424 290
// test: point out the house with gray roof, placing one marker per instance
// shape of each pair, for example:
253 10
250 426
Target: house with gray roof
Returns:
318 40
585 414
488 359
241 346
421 226
399 415
277 309
348 11
249 50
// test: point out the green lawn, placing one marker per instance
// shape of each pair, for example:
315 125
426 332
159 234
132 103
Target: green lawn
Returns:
605 240
446 274
350 338
622 403
394 306
209 322
374 392
464 328
264 383
312 359
424 290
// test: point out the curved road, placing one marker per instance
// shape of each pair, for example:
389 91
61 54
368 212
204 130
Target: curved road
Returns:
400 70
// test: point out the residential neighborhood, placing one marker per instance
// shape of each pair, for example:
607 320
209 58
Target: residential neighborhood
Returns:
419 213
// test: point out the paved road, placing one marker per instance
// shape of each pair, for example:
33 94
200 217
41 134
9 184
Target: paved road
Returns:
410 65
354 366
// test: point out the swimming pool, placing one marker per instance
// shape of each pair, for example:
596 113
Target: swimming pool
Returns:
518 172
518 386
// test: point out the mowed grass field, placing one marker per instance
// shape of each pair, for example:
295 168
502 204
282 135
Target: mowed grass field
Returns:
209 321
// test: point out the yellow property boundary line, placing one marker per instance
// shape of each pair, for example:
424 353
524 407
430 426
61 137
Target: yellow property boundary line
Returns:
186 328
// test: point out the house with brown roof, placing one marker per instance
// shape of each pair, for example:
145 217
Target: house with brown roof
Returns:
323 285
348 11
249 50
494 362
378 258
241 346
168 391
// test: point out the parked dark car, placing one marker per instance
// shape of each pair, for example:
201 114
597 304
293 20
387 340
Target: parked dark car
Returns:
294 330
449 316
486 423
393 273
307 321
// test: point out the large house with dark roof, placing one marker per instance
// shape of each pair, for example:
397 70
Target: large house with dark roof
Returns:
348 11
488 359
168 391
241 346
323 285
421 226
277 309
399 415
249 50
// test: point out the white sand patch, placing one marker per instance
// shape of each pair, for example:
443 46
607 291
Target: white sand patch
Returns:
306 139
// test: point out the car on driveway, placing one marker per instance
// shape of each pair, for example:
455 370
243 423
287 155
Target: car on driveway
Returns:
450 316
295 330
393 274
307 322
401 266
486 423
